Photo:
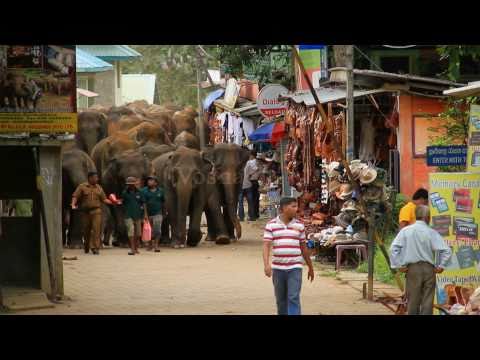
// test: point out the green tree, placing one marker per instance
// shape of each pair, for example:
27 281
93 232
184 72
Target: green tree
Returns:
454 54
175 67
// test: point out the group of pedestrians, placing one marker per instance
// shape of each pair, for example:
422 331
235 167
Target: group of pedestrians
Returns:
140 205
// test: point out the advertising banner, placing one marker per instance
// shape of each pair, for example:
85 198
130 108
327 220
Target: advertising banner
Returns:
455 210
37 89
473 154
314 58
268 103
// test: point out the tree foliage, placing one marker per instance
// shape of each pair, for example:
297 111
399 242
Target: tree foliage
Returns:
175 67
454 55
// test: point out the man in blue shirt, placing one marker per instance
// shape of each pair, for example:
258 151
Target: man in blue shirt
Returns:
154 198
413 252
133 202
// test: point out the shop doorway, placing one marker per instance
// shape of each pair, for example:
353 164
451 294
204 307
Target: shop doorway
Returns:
20 254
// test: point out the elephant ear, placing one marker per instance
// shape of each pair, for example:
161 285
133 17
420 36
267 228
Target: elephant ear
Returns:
209 156
209 165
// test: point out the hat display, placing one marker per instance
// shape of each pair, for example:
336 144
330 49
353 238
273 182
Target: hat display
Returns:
368 175
345 192
372 193
131 180
343 219
333 185
360 236
349 206
330 169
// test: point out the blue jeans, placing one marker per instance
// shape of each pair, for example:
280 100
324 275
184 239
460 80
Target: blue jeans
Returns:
287 285
241 211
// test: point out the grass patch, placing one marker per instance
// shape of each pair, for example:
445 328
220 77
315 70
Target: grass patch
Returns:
381 271
328 273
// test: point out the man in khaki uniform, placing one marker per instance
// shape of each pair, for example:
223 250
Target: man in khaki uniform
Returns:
90 196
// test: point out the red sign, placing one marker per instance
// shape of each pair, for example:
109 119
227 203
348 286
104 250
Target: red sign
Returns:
268 103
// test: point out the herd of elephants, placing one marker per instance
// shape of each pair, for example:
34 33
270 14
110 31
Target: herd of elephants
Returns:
141 140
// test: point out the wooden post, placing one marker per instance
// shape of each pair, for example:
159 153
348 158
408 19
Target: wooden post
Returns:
350 104
201 133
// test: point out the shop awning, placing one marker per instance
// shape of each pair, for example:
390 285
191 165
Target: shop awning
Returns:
272 132
86 93
328 94
214 95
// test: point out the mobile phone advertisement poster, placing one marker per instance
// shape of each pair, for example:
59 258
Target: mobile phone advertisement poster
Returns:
455 211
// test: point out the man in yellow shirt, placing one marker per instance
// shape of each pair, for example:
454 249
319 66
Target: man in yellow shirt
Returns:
407 213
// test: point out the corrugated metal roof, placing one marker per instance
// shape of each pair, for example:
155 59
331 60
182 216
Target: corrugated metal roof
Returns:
472 89
89 63
111 52
246 109
326 95
393 76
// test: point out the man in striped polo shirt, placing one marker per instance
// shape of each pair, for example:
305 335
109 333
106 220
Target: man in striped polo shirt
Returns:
287 237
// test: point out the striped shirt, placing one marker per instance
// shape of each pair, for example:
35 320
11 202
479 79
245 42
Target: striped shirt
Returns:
286 240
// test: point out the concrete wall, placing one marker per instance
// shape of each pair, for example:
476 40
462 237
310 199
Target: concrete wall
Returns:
413 171
104 85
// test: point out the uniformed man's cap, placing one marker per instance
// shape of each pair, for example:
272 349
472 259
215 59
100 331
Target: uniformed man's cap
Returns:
131 180
92 173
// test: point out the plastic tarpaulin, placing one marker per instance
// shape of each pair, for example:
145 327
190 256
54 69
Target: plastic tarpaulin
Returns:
272 133
214 95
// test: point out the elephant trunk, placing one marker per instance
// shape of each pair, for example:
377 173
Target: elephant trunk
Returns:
184 194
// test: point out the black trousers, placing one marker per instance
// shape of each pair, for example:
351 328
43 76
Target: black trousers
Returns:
256 198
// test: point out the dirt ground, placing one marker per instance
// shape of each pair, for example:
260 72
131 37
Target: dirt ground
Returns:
209 279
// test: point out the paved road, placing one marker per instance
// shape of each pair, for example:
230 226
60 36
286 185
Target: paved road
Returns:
209 279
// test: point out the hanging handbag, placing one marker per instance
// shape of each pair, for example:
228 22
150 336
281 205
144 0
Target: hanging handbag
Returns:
147 231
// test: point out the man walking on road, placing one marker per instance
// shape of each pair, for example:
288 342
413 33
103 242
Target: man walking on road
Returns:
154 198
90 196
287 237
413 252
407 213
134 204
249 172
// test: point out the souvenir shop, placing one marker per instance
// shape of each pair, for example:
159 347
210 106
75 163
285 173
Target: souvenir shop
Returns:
329 205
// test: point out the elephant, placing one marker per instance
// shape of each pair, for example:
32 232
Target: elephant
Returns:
92 128
229 162
127 122
134 138
152 150
183 175
184 121
75 167
164 119
188 140
128 163
19 92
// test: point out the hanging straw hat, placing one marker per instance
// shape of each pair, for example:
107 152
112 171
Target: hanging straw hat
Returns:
333 185
349 206
331 169
368 175
343 220
345 192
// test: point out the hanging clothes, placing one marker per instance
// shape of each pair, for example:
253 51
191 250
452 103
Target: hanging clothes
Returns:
367 141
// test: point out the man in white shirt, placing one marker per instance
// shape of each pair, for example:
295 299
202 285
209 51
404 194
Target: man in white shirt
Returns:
413 252
250 169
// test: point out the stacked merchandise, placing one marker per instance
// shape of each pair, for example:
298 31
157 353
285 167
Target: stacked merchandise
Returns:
328 205
310 146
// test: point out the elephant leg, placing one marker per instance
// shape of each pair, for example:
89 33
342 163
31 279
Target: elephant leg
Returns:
65 226
211 224
165 239
194 232
75 230
229 224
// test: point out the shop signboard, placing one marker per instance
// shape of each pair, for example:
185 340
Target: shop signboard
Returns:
455 211
446 155
473 155
37 89
268 103
314 58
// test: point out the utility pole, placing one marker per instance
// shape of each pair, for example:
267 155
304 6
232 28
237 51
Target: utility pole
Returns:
201 132
350 104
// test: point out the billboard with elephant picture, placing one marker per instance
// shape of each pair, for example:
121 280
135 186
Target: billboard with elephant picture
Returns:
37 89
